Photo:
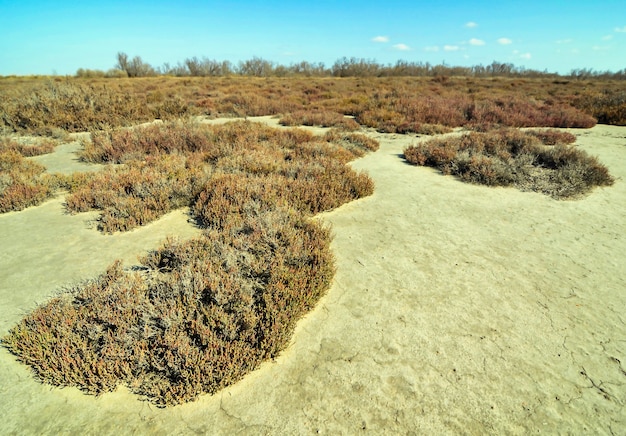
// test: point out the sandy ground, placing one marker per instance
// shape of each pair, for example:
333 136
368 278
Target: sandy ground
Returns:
455 309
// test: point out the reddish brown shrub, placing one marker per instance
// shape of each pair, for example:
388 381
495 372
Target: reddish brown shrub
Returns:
321 118
139 192
38 148
197 315
553 137
201 314
506 157
23 183
609 106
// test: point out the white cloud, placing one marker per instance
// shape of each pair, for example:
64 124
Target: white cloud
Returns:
525 56
475 41
432 48
504 41
402 47
471 25
607 38
380 39
450 47
564 41
621 29
600 48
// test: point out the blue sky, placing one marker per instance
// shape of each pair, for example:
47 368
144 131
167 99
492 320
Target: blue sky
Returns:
48 37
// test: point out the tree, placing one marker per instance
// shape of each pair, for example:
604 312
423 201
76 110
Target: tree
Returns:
122 62
135 67
257 67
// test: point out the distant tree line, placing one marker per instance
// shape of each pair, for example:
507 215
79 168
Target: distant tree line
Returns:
343 67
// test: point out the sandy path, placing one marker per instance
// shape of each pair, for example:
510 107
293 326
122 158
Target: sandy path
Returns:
455 309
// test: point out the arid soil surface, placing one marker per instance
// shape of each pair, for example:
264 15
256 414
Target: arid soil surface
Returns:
455 309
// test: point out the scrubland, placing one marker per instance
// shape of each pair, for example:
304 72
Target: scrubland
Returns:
197 315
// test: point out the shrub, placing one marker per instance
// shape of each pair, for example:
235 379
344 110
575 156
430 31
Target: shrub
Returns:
318 118
609 107
390 104
197 315
38 148
70 106
511 157
140 192
86 73
23 183
553 137
423 128
313 175
357 144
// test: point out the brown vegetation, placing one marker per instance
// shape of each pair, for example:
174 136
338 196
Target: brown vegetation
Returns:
169 165
197 315
24 183
608 106
389 104
512 157
34 147
318 118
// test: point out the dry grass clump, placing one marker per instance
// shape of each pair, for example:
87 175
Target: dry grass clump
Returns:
254 102
321 118
196 316
310 189
215 141
422 128
25 183
399 111
357 143
517 111
512 157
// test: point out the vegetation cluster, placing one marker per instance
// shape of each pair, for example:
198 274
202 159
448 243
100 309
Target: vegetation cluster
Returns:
539 161
393 104
196 315
342 67
608 106
25 183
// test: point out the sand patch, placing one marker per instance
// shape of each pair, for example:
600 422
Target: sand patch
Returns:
456 308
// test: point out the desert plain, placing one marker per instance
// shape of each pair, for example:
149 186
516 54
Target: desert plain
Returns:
455 309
